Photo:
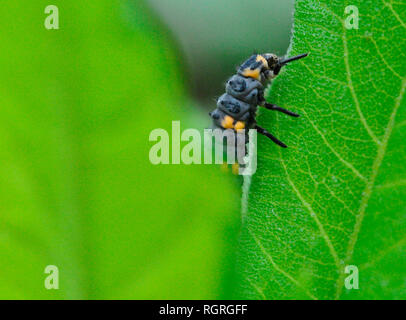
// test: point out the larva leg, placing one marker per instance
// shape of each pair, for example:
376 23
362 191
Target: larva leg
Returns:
271 106
270 136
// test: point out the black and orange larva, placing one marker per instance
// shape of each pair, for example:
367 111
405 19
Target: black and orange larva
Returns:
236 109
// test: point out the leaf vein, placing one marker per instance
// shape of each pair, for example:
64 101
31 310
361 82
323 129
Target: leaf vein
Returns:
389 5
369 187
352 89
278 269
314 216
345 162
383 58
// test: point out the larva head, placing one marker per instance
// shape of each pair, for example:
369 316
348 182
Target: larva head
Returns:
272 60
275 63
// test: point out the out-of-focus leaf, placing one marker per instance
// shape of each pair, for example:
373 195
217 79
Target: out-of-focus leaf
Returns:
78 190
336 196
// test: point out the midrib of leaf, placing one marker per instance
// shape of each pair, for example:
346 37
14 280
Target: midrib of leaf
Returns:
369 187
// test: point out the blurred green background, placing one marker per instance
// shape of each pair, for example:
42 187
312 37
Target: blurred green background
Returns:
77 106
216 36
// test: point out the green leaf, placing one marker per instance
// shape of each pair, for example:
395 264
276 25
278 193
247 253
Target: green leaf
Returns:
78 189
337 195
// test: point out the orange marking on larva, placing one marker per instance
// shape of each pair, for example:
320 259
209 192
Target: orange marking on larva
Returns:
251 73
264 62
227 122
235 168
239 125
